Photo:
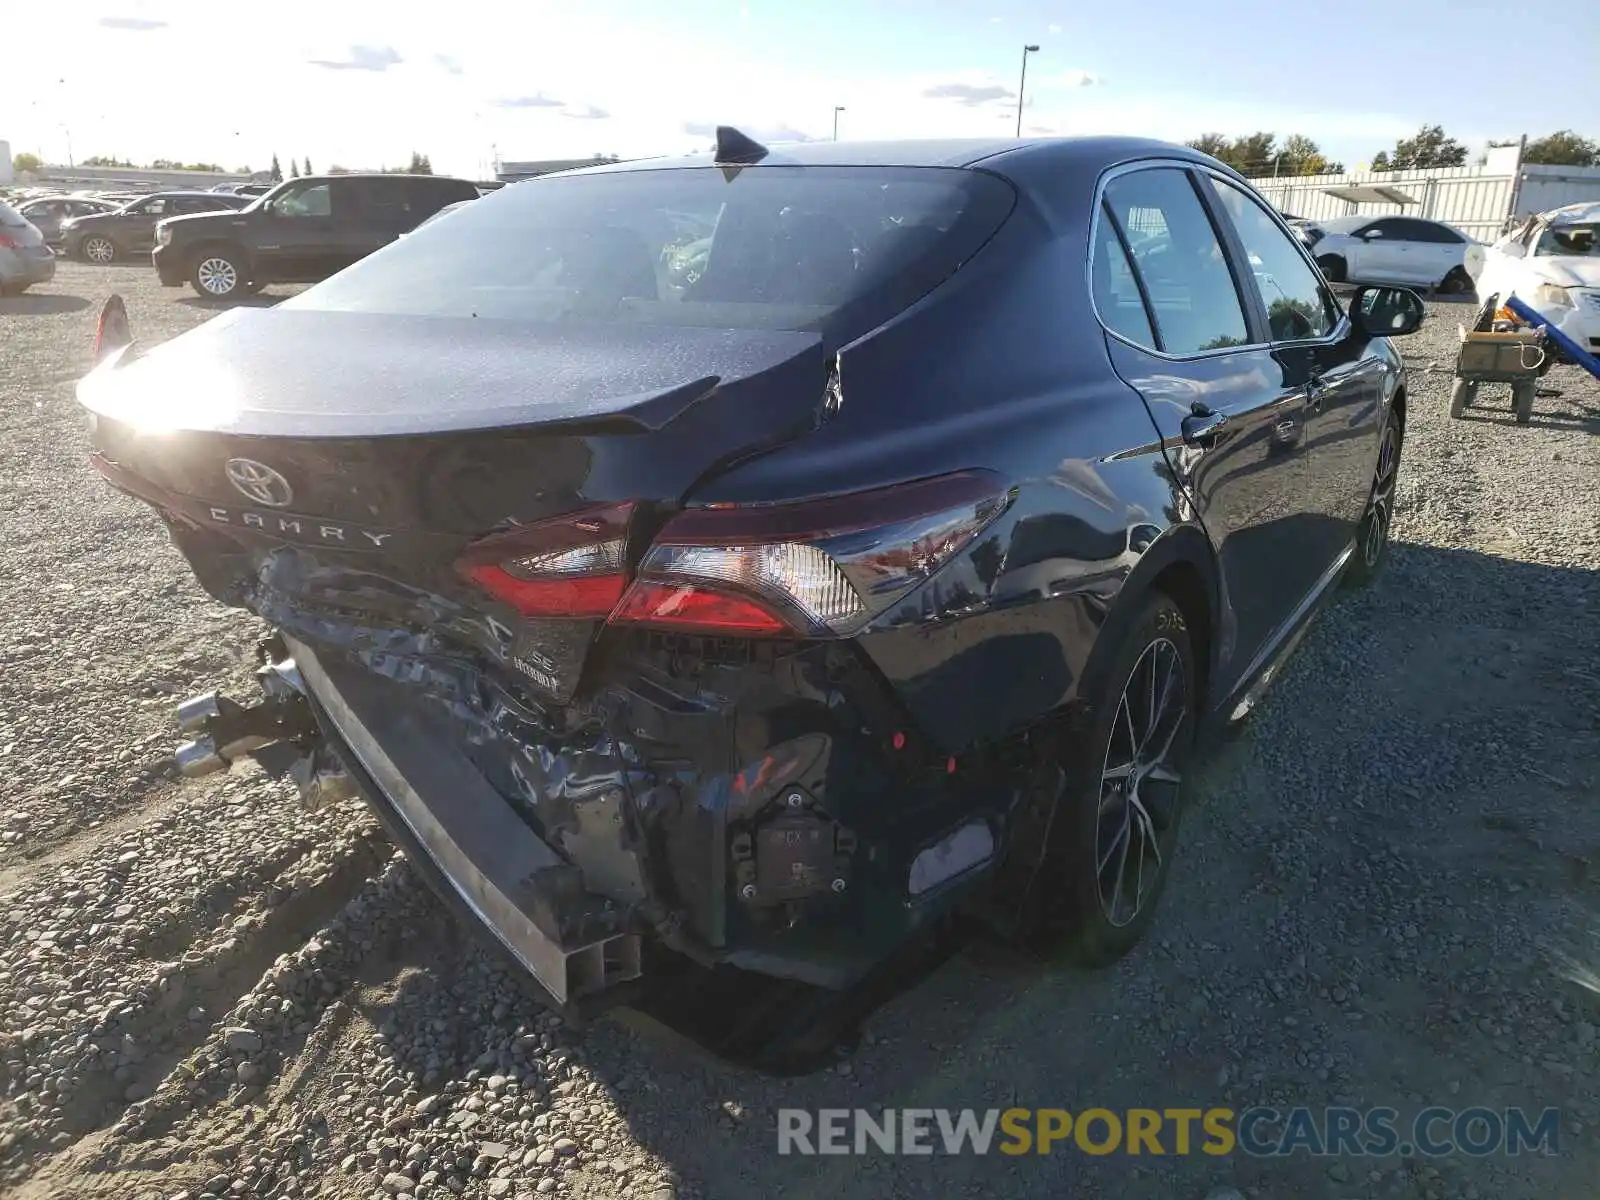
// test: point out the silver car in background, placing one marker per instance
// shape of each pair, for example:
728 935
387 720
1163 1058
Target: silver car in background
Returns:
24 258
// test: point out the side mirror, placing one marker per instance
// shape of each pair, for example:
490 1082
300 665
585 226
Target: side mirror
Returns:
1386 311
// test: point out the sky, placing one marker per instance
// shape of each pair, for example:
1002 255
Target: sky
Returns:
361 84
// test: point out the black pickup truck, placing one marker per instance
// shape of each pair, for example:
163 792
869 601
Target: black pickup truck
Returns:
302 231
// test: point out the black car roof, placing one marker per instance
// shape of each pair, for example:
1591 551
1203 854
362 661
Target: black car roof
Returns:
1074 153
378 175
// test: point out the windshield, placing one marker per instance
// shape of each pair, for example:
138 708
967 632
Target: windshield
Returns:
770 248
10 216
1568 240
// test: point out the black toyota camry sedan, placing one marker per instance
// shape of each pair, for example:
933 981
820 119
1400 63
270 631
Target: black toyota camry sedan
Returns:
756 558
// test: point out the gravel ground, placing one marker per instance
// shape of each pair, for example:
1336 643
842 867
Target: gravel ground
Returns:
1386 893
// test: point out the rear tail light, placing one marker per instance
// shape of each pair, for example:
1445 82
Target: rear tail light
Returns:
7 242
821 568
111 331
575 566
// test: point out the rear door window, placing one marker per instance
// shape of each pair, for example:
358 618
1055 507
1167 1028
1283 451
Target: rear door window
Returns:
1175 250
1116 292
385 203
775 247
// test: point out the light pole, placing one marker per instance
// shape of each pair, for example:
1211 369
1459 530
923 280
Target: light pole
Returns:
1022 85
837 109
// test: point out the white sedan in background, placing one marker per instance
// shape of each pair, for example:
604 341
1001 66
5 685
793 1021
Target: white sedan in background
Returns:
1552 264
1427 254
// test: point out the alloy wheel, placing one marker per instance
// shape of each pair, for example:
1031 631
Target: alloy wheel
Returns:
1139 782
1380 509
99 250
217 276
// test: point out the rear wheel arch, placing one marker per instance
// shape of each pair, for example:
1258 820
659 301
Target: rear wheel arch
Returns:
1180 565
1183 583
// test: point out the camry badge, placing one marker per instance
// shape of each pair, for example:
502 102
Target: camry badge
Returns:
259 482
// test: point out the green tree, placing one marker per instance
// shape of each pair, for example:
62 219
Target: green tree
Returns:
26 162
306 168
419 165
1380 161
1261 154
1214 144
294 170
1429 147
275 172
1300 155
1565 149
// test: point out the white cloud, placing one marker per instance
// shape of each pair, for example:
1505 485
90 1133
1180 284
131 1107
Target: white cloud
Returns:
1055 29
537 100
973 95
361 58
132 24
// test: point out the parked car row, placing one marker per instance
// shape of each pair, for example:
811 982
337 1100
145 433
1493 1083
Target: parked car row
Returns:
303 230
131 230
236 238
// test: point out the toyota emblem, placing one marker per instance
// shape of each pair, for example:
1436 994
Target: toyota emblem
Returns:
259 482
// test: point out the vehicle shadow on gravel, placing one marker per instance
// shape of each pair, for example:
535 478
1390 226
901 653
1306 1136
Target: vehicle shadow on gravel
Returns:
42 304
259 300
1383 885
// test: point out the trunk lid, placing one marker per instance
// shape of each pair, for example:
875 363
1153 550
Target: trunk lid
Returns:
431 425
339 464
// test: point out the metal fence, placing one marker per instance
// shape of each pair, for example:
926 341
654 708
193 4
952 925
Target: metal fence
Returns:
1474 201
1546 187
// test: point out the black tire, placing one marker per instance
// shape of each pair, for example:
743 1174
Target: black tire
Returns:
1461 397
1522 402
1333 267
218 273
1372 537
98 249
1094 818
253 286
1456 282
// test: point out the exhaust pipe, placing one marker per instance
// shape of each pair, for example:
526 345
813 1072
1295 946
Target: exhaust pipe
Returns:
198 757
223 730
194 712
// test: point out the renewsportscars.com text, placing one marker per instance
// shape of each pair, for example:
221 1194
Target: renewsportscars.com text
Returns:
1260 1132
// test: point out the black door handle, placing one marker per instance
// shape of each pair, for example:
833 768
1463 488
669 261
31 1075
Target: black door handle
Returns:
1314 390
1202 425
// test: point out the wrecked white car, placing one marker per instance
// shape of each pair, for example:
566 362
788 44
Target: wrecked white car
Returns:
1552 263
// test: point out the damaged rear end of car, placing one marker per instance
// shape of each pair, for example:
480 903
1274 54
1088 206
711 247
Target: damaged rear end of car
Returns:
472 484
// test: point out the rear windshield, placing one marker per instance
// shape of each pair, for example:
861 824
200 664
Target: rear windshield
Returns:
10 216
771 248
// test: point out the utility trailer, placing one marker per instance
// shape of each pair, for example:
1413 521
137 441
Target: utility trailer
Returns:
1517 357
